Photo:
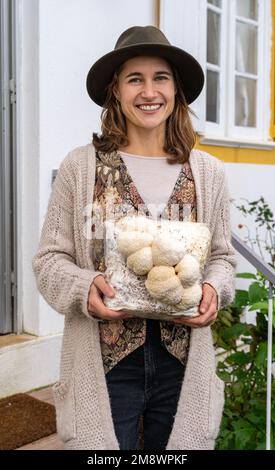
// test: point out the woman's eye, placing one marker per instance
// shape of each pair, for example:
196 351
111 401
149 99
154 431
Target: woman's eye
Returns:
133 80
159 77
162 76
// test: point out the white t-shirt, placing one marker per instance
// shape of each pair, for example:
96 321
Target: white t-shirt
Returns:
154 179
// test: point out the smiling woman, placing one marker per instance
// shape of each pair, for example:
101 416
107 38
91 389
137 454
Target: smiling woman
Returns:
147 101
117 369
145 96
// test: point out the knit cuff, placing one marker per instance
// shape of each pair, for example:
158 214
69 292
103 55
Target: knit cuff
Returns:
224 287
214 285
83 289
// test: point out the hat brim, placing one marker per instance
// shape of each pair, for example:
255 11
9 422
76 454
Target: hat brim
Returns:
101 73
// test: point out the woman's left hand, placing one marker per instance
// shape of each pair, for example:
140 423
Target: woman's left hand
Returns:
207 309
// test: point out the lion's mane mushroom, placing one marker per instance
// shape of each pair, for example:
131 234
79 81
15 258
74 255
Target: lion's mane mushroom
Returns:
188 270
130 242
167 251
163 284
191 297
141 261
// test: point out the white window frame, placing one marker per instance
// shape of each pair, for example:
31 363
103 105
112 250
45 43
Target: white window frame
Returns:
258 132
212 128
191 36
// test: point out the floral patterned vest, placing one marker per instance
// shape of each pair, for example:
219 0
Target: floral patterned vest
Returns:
121 337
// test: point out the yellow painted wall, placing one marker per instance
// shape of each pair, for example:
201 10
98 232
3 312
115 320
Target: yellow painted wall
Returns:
237 155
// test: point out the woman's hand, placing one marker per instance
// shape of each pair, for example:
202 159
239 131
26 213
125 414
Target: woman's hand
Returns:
208 309
96 307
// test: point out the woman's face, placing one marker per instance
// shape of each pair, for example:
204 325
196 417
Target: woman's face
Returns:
146 91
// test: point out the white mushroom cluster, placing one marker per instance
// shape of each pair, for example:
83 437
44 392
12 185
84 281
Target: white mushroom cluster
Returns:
166 250
164 285
188 270
131 242
173 272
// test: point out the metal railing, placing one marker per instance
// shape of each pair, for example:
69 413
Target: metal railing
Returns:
269 273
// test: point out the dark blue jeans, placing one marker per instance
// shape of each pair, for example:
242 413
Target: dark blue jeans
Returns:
145 383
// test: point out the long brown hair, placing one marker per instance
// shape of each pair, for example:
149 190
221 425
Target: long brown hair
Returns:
180 136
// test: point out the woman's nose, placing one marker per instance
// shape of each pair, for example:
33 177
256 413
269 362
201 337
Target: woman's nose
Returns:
148 90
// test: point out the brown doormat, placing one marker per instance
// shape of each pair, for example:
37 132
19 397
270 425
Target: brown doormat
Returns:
24 419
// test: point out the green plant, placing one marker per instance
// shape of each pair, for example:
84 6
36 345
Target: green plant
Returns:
243 349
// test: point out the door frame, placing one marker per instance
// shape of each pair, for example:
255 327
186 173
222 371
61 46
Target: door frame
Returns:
8 176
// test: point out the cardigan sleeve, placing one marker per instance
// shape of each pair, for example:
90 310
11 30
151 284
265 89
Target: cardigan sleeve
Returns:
64 285
220 268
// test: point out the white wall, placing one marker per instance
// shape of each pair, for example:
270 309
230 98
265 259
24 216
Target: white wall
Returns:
29 365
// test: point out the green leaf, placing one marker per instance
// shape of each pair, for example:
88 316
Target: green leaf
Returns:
222 344
261 324
235 331
239 358
237 388
239 373
225 321
261 306
261 355
225 440
256 293
242 424
241 298
259 405
246 275
225 376
242 438
226 314
256 419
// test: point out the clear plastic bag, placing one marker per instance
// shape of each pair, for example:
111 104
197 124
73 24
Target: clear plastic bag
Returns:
171 256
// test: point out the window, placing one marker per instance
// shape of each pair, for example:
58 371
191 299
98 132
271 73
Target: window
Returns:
237 81
232 41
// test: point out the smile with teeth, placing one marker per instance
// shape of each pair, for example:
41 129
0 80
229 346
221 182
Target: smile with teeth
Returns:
147 107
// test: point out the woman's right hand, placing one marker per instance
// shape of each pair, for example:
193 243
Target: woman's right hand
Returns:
96 307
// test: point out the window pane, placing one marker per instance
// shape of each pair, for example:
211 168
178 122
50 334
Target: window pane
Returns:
217 3
247 8
213 37
212 97
246 48
245 102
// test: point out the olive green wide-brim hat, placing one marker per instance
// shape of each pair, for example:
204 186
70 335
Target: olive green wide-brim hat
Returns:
144 40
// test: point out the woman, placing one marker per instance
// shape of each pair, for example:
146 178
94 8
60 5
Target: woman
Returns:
115 369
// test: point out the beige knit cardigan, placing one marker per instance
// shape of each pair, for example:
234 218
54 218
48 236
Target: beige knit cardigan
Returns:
64 272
